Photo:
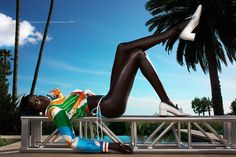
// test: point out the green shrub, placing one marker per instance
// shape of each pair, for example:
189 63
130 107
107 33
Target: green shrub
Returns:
4 142
48 128
10 115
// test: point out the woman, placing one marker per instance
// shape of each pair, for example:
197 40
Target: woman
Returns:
130 57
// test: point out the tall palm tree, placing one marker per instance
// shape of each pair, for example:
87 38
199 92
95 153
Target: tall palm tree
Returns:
214 41
233 107
206 102
196 106
16 55
5 69
41 48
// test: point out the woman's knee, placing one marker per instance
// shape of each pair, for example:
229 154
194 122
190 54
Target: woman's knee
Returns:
122 47
127 47
112 108
137 54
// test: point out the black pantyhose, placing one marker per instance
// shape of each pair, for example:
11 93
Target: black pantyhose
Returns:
129 58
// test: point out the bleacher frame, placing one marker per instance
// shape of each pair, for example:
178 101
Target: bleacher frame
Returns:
32 141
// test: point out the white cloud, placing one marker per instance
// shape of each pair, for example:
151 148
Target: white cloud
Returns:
28 33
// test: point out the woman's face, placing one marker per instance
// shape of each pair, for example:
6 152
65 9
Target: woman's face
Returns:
39 103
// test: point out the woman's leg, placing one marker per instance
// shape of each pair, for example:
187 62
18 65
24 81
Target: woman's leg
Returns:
114 103
65 129
150 74
144 44
129 57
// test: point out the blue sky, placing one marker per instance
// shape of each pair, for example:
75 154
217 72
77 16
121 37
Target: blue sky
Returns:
81 46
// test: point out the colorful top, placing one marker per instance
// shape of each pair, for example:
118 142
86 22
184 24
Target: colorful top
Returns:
75 105
62 109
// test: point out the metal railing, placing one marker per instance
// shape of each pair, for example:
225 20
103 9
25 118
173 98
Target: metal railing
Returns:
213 142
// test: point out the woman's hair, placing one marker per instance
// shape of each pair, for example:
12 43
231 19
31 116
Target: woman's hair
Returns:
26 107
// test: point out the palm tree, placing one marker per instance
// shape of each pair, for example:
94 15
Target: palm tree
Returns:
233 107
9 112
201 105
41 48
5 69
5 57
206 102
214 41
16 55
196 106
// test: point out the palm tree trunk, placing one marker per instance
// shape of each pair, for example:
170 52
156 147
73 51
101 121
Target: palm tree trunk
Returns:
209 112
217 100
41 48
3 60
4 66
16 55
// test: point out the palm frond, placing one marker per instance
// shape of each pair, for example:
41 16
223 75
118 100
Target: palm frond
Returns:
219 50
165 22
170 43
180 51
218 18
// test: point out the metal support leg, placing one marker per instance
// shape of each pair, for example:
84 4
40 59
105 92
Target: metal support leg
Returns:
91 130
134 134
233 134
189 136
36 133
80 129
176 137
181 144
86 130
179 132
227 131
25 134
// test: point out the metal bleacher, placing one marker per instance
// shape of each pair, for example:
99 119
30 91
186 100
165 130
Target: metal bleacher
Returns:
33 141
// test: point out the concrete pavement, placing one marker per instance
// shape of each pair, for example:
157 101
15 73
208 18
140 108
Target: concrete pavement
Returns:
18 154
12 150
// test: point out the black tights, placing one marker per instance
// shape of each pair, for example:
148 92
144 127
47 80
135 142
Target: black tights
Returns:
129 58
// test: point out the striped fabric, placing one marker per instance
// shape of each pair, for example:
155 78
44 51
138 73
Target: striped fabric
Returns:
80 144
75 105
62 110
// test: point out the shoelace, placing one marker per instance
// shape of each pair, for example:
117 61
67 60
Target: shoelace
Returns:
97 112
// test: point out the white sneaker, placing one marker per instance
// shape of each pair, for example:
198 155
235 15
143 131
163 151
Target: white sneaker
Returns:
164 109
187 34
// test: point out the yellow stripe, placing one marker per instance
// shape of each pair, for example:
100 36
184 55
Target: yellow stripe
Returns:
58 101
